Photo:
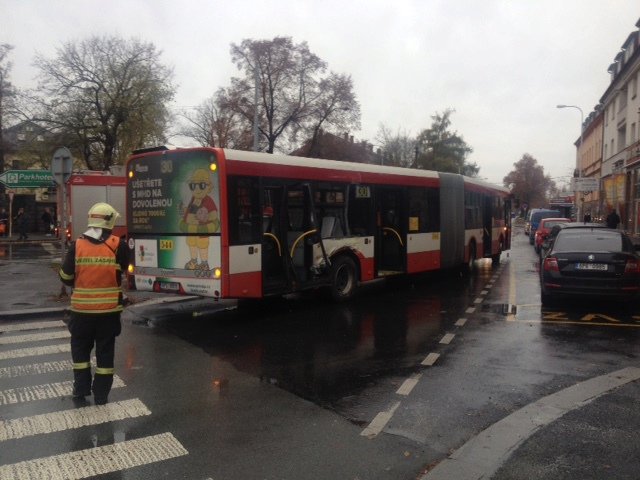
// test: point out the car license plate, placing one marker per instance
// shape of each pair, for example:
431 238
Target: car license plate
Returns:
591 266
170 286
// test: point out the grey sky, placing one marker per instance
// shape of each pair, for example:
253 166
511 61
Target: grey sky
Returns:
502 65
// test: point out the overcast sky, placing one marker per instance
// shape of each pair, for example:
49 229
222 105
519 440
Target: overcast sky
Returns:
502 65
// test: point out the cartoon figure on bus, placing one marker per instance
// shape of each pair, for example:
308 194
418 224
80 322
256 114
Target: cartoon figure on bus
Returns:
200 216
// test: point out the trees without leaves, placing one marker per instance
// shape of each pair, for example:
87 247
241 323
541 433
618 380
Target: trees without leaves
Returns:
105 96
7 93
295 97
528 183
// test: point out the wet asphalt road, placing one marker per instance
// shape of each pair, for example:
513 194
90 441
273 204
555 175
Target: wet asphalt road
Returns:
303 388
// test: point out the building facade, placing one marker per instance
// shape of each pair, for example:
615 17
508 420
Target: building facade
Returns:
620 173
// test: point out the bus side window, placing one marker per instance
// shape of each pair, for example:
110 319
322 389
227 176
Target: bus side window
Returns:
245 220
359 216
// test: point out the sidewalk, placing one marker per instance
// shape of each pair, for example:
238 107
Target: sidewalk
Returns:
31 288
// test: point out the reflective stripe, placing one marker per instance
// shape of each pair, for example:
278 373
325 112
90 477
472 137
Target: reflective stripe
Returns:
104 371
64 276
97 290
81 366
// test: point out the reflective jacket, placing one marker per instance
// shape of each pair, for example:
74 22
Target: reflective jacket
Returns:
96 285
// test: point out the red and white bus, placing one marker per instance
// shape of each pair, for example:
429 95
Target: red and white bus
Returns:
236 224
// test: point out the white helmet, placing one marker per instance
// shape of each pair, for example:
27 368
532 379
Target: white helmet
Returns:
102 215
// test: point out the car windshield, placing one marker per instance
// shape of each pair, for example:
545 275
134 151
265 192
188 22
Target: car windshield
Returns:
588 241
553 223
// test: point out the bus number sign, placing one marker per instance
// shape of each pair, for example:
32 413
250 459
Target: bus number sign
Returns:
363 191
166 244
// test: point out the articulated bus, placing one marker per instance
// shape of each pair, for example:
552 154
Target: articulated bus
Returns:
236 224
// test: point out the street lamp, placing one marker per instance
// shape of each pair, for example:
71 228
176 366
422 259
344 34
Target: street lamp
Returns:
578 162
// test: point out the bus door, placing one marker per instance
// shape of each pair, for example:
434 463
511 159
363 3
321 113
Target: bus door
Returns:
274 243
487 225
301 232
390 244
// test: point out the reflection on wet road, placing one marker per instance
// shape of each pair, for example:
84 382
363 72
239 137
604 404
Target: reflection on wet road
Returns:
329 353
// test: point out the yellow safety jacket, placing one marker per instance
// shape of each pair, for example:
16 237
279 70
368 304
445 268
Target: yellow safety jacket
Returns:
96 288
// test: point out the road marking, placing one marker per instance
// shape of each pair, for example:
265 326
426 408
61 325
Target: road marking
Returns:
461 322
49 247
379 422
41 392
562 321
34 337
489 286
512 291
35 351
447 338
36 369
98 461
478 300
485 453
408 384
484 292
430 359
470 310
19 327
71 419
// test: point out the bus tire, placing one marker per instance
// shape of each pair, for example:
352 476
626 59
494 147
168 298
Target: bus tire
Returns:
344 278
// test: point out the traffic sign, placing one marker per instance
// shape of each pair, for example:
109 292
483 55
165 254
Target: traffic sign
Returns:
585 184
26 178
61 165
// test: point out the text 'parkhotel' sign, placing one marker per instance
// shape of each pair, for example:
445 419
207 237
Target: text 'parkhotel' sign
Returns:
26 178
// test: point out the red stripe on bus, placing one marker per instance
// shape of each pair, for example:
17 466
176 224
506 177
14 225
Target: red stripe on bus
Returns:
423 261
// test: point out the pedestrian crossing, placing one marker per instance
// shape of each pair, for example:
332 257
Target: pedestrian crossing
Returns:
29 376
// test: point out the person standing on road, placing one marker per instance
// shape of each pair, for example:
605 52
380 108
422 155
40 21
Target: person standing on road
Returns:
93 266
613 220
21 220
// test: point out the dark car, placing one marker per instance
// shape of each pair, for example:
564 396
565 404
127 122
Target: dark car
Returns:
548 241
590 261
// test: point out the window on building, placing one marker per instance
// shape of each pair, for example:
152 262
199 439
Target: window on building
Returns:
632 134
622 137
634 86
622 99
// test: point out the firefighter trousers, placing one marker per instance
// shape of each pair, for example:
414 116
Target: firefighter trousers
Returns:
89 330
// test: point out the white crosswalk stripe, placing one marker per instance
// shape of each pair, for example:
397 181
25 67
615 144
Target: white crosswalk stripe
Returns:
69 419
42 392
36 369
98 461
35 351
34 337
22 327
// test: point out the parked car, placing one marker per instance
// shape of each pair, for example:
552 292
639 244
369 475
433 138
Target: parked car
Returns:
535 221
553 233
544 228
588 260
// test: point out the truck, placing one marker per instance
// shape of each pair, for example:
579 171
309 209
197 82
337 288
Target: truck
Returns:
87 188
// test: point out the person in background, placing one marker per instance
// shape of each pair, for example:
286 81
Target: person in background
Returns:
93 266
21 221
47 220
587 217
613 219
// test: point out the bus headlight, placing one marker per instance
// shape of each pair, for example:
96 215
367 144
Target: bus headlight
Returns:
130 268
217 273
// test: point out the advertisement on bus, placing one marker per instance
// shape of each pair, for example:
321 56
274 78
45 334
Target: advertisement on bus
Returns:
174 222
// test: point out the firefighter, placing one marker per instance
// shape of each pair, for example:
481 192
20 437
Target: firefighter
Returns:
93 266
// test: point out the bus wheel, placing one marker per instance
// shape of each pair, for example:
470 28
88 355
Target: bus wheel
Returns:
344 279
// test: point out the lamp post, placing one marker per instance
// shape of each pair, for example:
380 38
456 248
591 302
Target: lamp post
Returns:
578 160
